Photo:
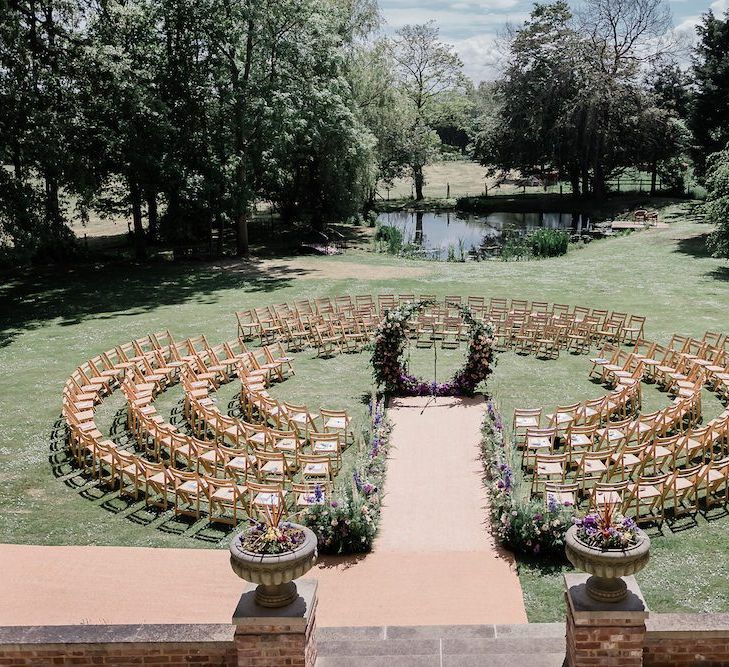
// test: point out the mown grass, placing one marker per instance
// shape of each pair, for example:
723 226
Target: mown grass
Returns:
53 320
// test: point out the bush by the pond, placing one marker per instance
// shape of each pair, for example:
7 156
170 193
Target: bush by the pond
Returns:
388 239
515 246
548 242
541 243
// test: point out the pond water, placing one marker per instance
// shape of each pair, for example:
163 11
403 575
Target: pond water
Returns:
475 234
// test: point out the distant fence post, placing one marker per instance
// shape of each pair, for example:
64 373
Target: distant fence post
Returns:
640 185
560 190
618 183
448 190
485 190
388 194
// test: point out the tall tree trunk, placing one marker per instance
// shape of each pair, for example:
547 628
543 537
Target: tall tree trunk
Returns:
17 161
598 185
419 181
152 216
135 194
221 228
575 182
53 207
241 223
167 225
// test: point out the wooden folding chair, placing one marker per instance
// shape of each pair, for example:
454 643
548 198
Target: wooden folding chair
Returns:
229 502
550 468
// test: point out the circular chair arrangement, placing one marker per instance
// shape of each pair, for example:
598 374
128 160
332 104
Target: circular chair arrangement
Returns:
229 467
651 466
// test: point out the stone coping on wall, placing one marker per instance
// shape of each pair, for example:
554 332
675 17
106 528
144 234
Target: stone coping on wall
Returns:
676 626
154 634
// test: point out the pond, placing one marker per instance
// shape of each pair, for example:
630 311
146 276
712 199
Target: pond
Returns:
474 235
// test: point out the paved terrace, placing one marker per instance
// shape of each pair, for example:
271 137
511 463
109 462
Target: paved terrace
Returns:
434 562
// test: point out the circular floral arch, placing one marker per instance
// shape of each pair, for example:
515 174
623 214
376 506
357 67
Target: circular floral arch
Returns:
391 374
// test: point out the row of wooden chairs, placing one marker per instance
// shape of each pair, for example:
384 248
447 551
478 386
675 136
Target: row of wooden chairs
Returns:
347 323
145 367
656 445
652 498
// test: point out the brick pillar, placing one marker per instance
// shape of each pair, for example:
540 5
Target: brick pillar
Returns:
283 637
604 634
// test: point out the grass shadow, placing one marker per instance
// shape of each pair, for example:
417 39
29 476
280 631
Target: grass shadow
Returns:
720 273
74 294
694 246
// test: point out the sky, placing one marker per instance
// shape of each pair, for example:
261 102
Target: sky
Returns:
472 26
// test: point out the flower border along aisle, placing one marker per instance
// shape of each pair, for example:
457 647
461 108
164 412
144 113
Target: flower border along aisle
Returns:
521 524
391 375
347 523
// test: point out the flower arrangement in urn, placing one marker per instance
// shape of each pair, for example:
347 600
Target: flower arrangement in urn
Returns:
264 537
607 530
272 553
608 546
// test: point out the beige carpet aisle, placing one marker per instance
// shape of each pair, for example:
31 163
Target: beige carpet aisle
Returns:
434 562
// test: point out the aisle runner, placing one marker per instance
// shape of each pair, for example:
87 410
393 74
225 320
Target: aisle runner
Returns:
434 562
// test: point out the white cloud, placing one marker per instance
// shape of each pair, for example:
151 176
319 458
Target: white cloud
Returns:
480 55
720 6
452 22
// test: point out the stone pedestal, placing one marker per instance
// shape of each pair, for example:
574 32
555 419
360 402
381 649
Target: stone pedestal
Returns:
603 633
277 637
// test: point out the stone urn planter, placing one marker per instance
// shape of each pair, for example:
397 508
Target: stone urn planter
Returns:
274 573
607 566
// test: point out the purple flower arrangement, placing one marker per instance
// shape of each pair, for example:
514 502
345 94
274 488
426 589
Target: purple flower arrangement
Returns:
267 539
523 526
347 523
607 530
390 373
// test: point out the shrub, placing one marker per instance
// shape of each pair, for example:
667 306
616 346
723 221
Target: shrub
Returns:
515 247
347 522
717 202
388 239
522 525
548 242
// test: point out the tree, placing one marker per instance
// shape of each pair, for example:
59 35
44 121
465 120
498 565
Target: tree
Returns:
40 42
709 115
535 125
427 69
717 201
571 99
671 87
382 108
123 128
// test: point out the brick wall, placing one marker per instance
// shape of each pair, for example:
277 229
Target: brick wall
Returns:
279 645
605 642
683 640
119 645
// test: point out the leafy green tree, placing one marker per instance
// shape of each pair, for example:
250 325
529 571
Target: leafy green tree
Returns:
671 87
40 42
571 99
538 119
709 115
427 70
382 108
717 201
125 127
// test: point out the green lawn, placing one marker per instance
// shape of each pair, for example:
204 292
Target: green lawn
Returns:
53 321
